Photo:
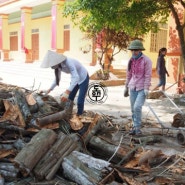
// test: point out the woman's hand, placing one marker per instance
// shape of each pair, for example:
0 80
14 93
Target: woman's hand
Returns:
45 92
64 96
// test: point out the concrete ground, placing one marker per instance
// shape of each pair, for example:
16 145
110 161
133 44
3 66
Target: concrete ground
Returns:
31 76
116 106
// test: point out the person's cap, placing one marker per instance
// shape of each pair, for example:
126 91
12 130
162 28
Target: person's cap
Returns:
52 58
136 45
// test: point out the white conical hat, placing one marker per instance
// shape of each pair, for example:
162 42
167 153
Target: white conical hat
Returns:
52 58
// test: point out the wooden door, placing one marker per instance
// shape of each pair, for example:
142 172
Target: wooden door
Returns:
35 46
66 40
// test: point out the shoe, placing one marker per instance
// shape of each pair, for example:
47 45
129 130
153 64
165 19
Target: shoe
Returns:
135 132
138 132
132 132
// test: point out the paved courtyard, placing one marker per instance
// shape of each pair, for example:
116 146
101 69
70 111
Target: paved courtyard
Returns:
32 77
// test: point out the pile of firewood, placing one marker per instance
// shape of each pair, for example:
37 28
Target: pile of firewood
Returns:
155 95
39 147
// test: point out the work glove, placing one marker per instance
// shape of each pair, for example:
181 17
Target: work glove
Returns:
146 91
44 92
126 93
64 97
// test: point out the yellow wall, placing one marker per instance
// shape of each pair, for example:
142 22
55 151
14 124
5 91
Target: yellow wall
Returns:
151 55
44 26
77 42
20 56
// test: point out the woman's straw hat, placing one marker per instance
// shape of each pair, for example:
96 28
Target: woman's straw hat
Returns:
52 58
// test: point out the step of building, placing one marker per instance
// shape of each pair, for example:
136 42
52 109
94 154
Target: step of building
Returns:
119 73
109 83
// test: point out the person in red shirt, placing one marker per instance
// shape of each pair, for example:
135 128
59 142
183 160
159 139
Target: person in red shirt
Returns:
138 81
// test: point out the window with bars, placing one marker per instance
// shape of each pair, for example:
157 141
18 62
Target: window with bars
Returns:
34 31
158 40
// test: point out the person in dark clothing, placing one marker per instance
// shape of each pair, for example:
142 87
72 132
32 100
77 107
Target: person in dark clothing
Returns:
161 69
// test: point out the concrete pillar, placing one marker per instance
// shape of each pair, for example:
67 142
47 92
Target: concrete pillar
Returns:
4 37
26 45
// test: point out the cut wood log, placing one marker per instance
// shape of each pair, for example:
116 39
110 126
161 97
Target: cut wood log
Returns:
2 180
149 156
102 149
8 170
64 114
76 171
178 120
51 118
6 153
57 165
13 114
94 127
83 169
29 156
147 139
90 161
8 125
50 163
155 95
5 94
75 122
56 181
20 100
30 99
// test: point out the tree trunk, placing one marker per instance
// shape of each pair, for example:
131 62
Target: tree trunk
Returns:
179 28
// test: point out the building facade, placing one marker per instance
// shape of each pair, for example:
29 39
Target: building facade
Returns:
28 28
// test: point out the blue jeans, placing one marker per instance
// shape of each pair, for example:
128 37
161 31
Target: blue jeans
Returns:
137 100
162 80
83 87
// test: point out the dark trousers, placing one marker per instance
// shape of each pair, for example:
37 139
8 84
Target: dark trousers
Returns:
83 87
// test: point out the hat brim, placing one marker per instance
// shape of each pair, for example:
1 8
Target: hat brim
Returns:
52 58
132 48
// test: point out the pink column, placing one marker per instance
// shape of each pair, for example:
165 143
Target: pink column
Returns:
1 35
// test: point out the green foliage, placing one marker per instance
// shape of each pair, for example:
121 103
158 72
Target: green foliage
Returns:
119 20
129 18
133 17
